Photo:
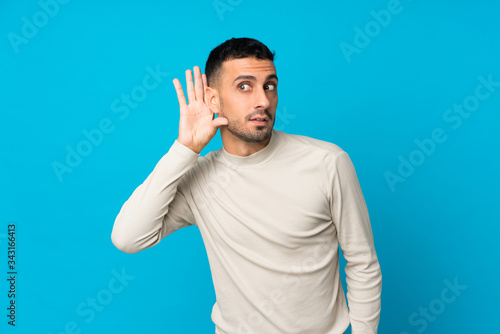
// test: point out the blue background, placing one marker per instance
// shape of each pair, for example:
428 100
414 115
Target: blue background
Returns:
437 226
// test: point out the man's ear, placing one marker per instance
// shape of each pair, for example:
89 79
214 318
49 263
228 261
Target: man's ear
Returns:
212 99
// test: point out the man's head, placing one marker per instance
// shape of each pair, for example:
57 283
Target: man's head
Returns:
243 85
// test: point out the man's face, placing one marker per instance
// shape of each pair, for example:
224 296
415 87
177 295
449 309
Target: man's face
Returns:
248 89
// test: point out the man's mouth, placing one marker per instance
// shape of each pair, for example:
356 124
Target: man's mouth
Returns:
260 120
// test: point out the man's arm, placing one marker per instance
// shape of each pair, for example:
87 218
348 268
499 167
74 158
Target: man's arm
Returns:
363 274
158 206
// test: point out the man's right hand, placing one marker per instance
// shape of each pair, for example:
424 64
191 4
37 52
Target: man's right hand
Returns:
197 125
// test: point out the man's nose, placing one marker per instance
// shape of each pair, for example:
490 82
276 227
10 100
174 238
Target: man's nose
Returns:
261 99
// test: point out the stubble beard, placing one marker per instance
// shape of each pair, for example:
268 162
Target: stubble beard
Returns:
238 129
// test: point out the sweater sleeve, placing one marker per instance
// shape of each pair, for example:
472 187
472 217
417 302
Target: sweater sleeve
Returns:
158 207
363 274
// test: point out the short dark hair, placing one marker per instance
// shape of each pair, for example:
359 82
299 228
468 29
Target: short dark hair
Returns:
234 48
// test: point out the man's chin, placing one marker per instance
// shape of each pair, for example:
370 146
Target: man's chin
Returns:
255 135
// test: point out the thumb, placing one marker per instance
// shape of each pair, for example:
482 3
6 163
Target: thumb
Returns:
220 121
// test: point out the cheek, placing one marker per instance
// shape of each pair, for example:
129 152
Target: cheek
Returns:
274 101
239 105
273 97
233 111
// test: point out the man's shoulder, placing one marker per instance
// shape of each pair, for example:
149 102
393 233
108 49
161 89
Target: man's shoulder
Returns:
313 145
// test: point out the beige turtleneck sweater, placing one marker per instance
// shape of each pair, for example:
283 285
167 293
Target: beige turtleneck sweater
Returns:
271 223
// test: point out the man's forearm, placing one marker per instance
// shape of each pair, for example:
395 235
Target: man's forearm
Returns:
364 288
139 222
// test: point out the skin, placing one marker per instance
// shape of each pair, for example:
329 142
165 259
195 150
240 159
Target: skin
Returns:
235 101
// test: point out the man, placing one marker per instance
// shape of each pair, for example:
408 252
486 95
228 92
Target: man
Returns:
272 207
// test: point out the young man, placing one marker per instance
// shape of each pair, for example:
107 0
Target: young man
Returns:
272 207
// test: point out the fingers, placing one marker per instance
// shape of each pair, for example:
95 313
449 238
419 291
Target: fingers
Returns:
195 90
205 85
198 84
180 93
190 86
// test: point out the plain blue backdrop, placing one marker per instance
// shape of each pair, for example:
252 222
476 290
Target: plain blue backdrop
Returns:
410 89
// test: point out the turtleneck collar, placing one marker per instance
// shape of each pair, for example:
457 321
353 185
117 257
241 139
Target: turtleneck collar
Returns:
265 154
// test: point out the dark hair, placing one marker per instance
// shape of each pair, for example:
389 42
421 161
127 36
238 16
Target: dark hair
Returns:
234 48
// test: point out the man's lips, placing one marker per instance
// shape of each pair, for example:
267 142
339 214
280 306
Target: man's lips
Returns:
259 119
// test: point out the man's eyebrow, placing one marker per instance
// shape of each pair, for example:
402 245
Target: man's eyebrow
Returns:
272 76
251 77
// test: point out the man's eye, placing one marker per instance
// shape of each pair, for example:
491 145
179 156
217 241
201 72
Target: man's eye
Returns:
244 87
270 87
